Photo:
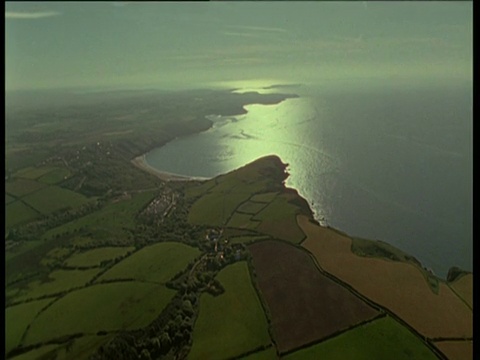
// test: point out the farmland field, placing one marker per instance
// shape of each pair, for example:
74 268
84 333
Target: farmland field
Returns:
81 349
304 304
114 306
264 198
269 354
246 239
194 190
251 207
157 263
242 221
8 199
231 323
45 352
17 318
278 219
22 248
464 288
54 198
17 212
380 339
55 176
456 350
234 189
33 173
95 256
21 187
62 280
110 220
221 205
398 286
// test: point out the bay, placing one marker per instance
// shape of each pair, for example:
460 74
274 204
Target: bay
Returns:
389 163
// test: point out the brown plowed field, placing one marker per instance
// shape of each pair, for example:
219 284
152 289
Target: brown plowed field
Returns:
397 286
464 288
456 350
304 304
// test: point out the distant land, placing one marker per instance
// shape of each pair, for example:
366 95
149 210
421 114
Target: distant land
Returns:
107 259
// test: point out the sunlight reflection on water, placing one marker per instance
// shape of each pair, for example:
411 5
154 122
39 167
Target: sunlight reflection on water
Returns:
346 161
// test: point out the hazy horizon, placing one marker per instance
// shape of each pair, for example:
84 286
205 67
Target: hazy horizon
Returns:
139 45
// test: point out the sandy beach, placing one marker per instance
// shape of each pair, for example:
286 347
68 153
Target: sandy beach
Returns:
141 163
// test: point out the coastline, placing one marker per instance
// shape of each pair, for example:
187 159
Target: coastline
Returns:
141 163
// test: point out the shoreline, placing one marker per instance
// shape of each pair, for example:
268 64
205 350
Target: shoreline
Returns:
141 163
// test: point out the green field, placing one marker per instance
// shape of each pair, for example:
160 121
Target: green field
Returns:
17 318
231 323
17 213
24 247
9 199
95 256
21 187
56 256
62 280
32 172
81 349
279 219
220 206
269 354
264 198
231 191
55 176
278 209
128 305
156 263
54 198
251 207
194 190
384 338
45 352
110 220
246 239
242 221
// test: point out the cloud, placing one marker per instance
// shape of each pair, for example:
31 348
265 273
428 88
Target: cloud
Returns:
30 15
257 28
227 33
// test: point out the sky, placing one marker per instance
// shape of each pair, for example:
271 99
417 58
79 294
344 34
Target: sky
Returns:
52 45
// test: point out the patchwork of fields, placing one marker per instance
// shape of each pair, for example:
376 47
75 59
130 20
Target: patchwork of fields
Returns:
32 192
301 293
244 199
305 306
398 286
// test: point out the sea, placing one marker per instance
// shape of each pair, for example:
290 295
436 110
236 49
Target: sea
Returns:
390 163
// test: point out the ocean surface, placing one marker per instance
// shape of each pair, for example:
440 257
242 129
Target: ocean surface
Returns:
390 163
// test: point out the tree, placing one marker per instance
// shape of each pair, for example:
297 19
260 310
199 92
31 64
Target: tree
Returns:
145 355
187 307
165 340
